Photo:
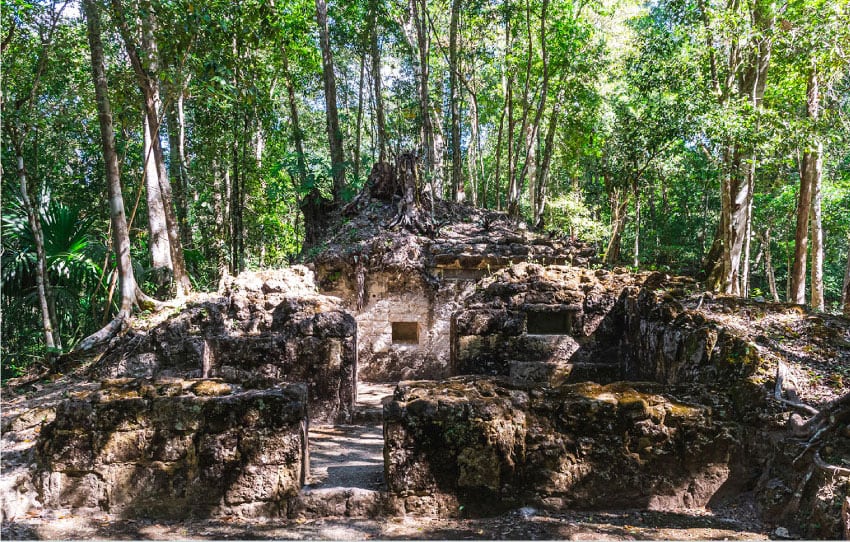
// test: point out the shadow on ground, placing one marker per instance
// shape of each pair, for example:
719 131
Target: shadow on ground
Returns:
523 524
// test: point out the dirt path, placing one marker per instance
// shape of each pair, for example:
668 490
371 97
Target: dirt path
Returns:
351 456
522 524
346 456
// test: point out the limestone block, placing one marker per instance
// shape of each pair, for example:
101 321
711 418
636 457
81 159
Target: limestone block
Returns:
121 446
190 455
71 490
577 445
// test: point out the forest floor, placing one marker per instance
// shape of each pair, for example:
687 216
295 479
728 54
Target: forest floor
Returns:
523 524
813 347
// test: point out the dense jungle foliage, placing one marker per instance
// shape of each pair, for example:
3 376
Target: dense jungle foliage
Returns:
693 136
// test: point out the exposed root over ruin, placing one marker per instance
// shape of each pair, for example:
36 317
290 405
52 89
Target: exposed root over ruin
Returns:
414 207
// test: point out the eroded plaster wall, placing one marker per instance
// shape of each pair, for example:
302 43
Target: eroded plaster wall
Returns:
394 297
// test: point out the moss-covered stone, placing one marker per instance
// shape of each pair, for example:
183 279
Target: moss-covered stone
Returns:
581 445
175 456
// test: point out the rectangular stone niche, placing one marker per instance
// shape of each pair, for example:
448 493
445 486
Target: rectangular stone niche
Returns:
405 332
549 322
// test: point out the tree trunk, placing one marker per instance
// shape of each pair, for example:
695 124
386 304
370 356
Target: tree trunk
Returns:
514 188
297 135
768 266
160 248
413 204
636 254
359 118
801 238
507 83
376 81
745 266
233 202
734 210
543 172
476 160
148 83
747 83
181 276
845 296
618 224
497 175
130 293
531 130
237 193
179 170
810 173
221 199
52 340
432 170
331 115
813 171
817 232
454 99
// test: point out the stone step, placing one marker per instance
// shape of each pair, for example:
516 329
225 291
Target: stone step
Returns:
553 373
346 456
367 415
337 502
369 409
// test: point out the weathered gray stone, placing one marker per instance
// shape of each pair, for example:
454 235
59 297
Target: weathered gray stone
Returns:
574 446
266 328
181 455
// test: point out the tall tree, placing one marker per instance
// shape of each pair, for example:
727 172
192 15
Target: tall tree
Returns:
377 85
744 81
52 339
431 146
160 247
454 101
160 244
845 290
131 295
17 129
331 115
148 83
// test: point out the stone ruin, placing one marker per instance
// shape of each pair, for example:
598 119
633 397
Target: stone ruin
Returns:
176 449
403 286
262 329
527 379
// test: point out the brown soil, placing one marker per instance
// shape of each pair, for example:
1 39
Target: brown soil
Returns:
523 524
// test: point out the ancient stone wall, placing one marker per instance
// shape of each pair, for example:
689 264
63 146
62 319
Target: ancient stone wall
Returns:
389 273
175 448
478 444
543 325
403 326
550 325
665 342
264 329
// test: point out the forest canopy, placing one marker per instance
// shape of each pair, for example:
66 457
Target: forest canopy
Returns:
172 142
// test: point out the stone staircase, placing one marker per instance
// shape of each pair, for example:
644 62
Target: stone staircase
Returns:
554 373
347 463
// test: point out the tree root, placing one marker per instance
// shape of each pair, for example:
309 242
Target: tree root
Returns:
104 334
779 390
411 213
799 406
835 470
